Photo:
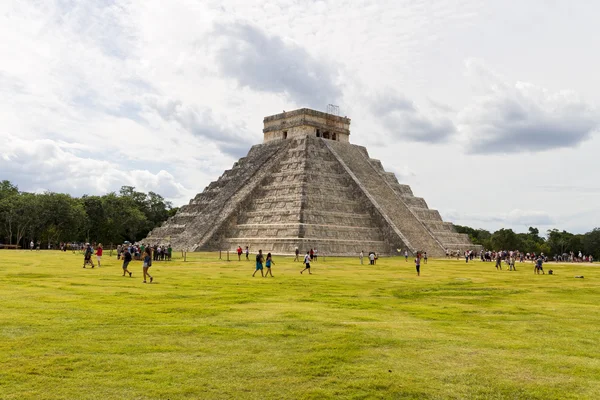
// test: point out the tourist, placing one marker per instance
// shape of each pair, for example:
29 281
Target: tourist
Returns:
31 245
312 254
297 252
466 256
538 265
499 261
268 263
406 255
239 253
511 263
307 263
99 253
247 254
371 258
126 261
315 255
418 265
169 252
119 250
147 264
425 257
87 256
361 255
259 265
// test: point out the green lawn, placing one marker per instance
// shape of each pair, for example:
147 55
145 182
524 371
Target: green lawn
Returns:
207 329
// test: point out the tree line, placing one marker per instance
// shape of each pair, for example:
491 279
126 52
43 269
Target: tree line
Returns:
556 243
50 218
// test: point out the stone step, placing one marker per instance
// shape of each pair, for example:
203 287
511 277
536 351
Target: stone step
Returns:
414 202
437 226
310 216
334 247
425 214
409 230
306 230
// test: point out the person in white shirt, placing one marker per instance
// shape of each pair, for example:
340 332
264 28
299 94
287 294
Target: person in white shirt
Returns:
307 263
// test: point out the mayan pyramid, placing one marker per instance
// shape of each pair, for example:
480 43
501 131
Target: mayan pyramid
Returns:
306 186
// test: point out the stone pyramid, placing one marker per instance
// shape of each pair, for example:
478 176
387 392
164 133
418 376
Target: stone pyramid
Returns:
306 186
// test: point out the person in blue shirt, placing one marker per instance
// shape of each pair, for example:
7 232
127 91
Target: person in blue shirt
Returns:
268 263
259 264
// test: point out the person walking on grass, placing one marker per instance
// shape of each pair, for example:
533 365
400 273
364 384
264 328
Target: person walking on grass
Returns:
406 255
239 252
259 264
511 263
87 256
126 260
297 252
247 254
147 264
418 264
499 261
99 253
307 263
425 257
538 265
268 263
361 256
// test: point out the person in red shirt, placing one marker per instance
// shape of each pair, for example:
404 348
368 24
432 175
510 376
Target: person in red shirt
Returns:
239 251
99 253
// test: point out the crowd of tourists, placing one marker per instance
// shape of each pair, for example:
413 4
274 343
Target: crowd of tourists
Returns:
129 252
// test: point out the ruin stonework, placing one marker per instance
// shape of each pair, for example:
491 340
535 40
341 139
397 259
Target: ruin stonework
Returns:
306 186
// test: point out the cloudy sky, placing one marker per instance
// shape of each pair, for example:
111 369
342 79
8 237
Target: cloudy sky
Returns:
488 109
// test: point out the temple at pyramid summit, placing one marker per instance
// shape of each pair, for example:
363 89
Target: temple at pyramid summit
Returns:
307 186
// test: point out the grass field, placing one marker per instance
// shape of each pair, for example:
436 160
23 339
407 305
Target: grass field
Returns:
207 329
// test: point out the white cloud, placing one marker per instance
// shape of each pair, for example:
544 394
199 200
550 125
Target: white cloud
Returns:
522 117
37 165
404 121
267 63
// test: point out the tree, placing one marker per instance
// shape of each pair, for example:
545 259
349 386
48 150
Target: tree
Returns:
95 223
505 239
7 189
591 243
123 218
16 215
63 217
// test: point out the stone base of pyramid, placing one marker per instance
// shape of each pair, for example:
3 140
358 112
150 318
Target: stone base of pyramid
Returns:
306 191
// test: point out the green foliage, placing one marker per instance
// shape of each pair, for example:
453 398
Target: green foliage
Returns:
50 218
477 236
531 242
591 243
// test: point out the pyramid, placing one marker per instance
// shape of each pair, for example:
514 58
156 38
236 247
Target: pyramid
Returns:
307 186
